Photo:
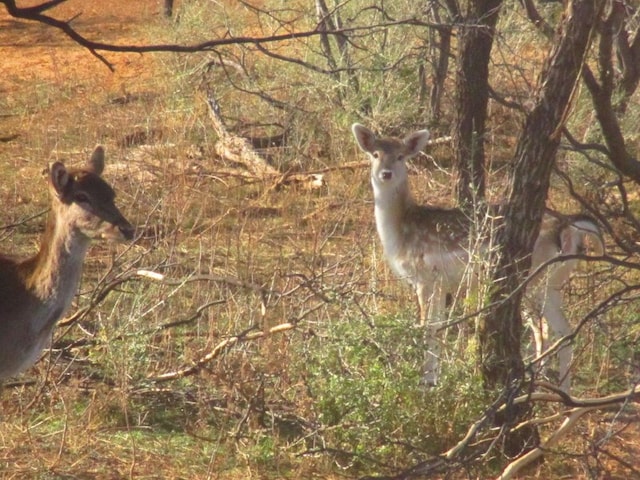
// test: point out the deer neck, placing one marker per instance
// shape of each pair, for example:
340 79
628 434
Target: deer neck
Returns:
391 205
53 275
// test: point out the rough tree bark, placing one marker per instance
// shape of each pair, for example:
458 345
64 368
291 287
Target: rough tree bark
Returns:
612 90
472 95
167 8
328 21
440 37
501 326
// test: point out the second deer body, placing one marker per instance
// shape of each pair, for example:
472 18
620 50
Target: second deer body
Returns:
430 247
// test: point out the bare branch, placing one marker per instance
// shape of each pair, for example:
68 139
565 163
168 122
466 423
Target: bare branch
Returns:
38 8
572 418
619 155
35 14
536 18
248 335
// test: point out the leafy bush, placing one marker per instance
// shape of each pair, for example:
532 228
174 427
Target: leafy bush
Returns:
369 397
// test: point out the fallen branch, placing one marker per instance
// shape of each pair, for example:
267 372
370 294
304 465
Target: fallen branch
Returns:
226 279
240 150
573 415
247 335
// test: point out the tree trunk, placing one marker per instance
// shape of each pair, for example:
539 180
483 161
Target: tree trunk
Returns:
168 8
440 50
612 93
501 327
472 95
328 21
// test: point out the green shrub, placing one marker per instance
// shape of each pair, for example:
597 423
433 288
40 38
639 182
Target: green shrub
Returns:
370 400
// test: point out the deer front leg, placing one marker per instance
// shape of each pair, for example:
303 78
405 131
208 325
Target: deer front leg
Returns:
552 312
432 304
539 328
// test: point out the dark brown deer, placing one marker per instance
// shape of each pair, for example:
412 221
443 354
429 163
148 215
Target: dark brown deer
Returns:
35 293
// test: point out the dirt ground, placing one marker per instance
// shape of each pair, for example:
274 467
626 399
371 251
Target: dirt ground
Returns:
47 79
31 50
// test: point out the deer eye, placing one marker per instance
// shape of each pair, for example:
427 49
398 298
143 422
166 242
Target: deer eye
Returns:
400 158
81 197
376 155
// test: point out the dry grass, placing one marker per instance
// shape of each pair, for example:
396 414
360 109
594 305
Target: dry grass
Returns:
264 258
239 259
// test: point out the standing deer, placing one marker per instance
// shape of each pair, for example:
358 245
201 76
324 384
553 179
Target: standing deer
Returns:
35 293
430 247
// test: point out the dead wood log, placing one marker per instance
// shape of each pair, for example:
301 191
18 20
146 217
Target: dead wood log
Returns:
240 151
248 335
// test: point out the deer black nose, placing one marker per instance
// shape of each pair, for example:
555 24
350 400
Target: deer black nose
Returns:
127 230
386 174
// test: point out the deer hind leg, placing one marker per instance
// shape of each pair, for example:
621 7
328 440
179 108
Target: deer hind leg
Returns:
432 306
552 312
538 326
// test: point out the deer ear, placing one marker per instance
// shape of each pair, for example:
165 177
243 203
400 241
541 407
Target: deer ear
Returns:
416 141
96 162
571 240
59 178
366 138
